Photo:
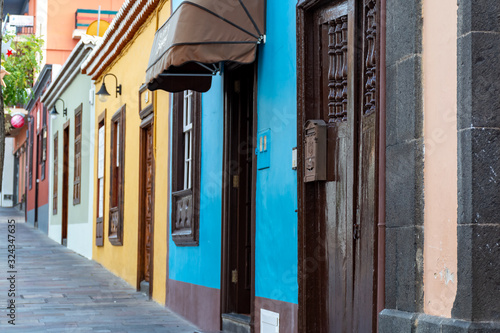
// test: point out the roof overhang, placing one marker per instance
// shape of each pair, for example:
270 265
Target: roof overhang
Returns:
69 70
41 82
198 36
131 16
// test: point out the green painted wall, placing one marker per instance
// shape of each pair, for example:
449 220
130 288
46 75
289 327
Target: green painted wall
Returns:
79 219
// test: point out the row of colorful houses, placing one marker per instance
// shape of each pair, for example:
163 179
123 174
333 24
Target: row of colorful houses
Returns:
59 24
278 166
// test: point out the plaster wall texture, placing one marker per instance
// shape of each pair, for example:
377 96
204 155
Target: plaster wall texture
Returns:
19 141
130 68
55 22
439 60
55 232
201 265
40 10
276 199
162 143
79 220
43 218
43 178
20 138
8 175
475 307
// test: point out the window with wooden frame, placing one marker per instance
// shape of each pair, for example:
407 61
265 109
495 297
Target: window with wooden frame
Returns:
186 135
56 173
30 168
77 186
116 191
43 151
43 155
101 139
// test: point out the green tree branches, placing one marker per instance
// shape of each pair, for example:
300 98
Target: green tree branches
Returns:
23 66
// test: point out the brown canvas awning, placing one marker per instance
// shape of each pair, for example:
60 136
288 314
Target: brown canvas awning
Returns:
199 35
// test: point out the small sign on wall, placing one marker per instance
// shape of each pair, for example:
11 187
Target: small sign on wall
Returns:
21 20
263 149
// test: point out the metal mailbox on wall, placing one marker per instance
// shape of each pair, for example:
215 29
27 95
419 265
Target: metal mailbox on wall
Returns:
315 151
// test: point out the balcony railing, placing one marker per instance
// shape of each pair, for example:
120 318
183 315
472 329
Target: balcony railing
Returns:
20 31
83 17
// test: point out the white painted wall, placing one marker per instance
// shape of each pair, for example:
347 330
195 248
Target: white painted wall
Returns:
78 239
91 170
8 174
55 230
41 25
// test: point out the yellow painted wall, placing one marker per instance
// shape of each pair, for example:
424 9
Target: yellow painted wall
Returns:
130 69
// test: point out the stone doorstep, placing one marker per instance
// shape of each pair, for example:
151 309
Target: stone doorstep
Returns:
400 321
235 323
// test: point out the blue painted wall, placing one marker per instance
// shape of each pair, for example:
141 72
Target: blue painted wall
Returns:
276 200
31 217
201 264
43 218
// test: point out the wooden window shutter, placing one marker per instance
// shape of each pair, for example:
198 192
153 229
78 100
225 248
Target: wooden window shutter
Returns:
30 168
117 168
43 151
56 173
186 134
77 186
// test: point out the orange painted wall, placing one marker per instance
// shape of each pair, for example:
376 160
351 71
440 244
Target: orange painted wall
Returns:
31 8
19 141
61 24
440 172
43 185
20 138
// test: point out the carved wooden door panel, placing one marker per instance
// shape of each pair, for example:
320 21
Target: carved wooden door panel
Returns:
148 201
332 24
146 207
365 264
117 178
65 185
337 227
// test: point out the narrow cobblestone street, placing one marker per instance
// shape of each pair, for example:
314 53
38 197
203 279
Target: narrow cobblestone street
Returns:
57 290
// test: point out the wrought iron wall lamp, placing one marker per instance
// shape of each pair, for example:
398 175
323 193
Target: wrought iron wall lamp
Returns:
103 92
54 112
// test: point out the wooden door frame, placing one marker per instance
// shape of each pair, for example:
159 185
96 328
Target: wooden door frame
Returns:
16 179
225 206
312 309
147 120
100 220
65 183
304 7
37 174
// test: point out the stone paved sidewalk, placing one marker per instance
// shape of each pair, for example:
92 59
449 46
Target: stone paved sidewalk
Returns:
57 290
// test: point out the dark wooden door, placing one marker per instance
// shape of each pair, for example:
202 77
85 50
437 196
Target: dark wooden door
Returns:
365 250
146 206
337 217
37 175
238 163
16 179
65 185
